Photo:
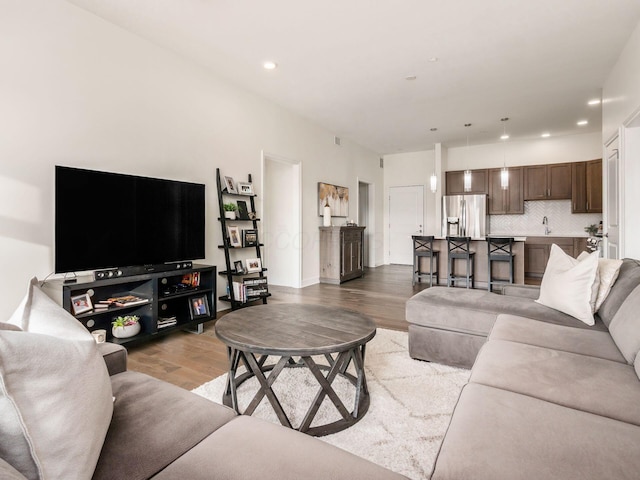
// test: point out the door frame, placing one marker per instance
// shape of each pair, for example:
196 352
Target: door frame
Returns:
371 220
296 208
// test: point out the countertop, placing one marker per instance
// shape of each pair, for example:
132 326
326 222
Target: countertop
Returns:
519 238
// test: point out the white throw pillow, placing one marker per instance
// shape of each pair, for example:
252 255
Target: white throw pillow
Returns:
608 270
568 284
56 400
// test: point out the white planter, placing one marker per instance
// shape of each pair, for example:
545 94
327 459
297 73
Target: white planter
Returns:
230 215
126 331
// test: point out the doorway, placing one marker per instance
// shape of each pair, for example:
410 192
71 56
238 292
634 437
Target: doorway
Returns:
282 224
406 218
366 219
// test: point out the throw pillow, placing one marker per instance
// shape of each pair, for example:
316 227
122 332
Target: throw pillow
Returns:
568 284
608 270
38 313
55 405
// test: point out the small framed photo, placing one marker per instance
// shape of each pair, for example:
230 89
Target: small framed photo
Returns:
81 304
234 236
239 266
245 188
253 265
243 213
230 184
199 307
249 237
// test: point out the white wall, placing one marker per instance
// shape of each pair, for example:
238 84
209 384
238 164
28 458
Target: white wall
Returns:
76 90
404 169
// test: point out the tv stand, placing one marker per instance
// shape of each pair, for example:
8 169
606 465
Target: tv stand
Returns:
164 300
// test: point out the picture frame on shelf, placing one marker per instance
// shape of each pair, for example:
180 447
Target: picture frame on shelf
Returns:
249 237
199 307
235 240
81 304
245 188
252 215
230 185
243 212
239 267
254 265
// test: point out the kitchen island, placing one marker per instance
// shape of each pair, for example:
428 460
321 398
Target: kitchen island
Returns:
479 245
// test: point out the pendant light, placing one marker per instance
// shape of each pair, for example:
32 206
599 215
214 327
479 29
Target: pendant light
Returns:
434 182
504 173
467 172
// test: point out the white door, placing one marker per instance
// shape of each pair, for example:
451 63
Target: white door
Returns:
406 217
612 208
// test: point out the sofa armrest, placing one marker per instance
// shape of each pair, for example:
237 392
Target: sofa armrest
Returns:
115 356
524 291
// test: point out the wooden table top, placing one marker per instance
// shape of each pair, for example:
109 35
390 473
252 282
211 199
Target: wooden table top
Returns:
294 329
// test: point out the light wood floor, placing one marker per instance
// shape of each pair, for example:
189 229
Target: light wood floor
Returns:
188 360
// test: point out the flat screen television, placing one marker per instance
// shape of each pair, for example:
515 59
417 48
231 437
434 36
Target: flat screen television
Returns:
108 220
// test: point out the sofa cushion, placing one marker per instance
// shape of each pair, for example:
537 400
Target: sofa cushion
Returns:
625 326
569 285
55 404
7 472
153 424
37 313
608 270
475 311
495 434
594 343
593 385
628 279
247 448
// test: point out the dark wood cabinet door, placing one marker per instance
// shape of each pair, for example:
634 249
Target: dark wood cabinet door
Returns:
535 259
509 201
515 193
455 182
497 196
593 182
578 187
535 182
559 181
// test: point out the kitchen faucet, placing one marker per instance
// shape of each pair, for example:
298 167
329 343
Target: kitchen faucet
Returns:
545 222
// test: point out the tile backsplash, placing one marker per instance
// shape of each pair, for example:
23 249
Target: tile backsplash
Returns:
558 213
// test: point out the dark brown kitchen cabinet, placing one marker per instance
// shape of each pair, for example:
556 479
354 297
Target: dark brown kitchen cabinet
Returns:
455 182
509 201
537 250
586 187
547 182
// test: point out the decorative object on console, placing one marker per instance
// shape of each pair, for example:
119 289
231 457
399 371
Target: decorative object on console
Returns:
230 210
336 197
199 307
126 326
81 304
230 185
326 215
245 188
254 265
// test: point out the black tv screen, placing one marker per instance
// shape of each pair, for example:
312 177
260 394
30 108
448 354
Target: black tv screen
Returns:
105 220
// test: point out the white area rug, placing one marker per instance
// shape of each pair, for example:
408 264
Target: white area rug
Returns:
411 403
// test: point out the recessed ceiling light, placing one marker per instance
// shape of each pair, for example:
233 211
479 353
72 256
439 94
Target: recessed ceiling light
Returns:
595 101
545 135
433 129
582 122
504 137
269 65
410 77
433 59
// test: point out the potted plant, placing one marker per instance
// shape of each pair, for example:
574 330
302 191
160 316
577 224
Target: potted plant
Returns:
125 326
591 230
230 210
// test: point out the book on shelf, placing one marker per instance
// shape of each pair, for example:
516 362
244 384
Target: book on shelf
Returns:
127 300
164 322
250 288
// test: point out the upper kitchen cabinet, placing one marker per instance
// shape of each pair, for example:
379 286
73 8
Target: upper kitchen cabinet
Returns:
586 183
455 182
547 182
509 201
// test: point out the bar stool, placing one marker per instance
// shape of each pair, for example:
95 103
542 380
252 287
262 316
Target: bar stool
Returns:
459 248
499 249
422 248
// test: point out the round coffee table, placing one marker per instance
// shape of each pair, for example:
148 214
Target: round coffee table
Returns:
302 331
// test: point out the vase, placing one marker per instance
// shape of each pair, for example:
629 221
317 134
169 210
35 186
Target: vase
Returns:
327 216
230 215
126 331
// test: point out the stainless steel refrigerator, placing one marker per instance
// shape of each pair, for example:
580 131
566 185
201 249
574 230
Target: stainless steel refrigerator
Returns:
464 216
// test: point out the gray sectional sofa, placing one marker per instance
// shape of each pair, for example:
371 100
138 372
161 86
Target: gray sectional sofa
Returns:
69 409
548 396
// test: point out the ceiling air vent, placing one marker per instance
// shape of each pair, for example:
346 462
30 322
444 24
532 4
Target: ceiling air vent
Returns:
336 140
381 162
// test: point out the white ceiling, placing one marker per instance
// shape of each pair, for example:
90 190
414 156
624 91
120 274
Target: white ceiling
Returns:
344 63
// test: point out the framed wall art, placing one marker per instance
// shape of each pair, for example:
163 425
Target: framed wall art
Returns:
336 197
